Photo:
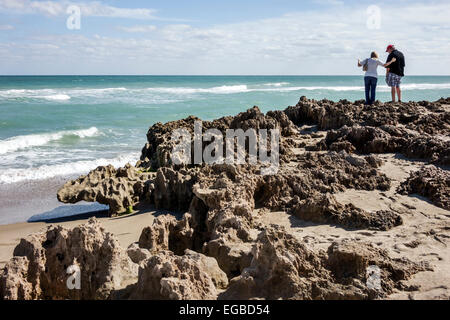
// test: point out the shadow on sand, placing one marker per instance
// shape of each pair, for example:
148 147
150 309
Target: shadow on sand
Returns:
71 213
67 213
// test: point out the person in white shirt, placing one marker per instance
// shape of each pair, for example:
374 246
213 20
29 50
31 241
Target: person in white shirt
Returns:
371 77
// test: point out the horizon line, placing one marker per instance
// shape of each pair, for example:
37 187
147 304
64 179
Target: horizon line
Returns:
206 75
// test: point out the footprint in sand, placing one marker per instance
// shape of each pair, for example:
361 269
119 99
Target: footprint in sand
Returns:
368 234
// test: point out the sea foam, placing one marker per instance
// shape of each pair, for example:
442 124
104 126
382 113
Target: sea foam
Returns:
216 90
57 97
60 95
34 140
79 167
276 84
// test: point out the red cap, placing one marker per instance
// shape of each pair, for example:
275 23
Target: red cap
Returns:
391 46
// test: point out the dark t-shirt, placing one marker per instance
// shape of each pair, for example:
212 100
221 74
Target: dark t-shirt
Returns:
398 67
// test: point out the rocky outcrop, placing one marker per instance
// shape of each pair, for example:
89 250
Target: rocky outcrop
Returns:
410 129
157 152
325 209
210 267
173 189
156 237
387 139
166 276
121 189
281 268
349 261
138 254
14 284
166 233
430 182
423 117
43 263
155 179
284 268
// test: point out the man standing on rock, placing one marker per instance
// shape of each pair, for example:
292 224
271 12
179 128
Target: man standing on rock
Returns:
395 72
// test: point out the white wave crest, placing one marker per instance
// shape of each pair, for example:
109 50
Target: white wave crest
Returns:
245 88
426 86
121 92
49 171
407 86
276 84
57 97
58 94
216 90
337 88
97 91
34 140
47 94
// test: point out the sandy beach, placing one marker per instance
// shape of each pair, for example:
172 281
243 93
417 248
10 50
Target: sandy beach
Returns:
127 229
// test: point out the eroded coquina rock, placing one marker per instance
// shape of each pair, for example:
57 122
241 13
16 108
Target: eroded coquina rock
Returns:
43 262
431 182
284 268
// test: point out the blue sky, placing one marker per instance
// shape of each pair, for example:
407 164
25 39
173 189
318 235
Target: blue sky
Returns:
220 37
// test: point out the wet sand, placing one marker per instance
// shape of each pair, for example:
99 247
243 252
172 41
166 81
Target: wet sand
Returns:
22 200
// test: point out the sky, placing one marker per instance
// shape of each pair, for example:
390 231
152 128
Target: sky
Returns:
227 37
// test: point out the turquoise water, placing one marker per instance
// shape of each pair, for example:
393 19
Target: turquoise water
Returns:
59 125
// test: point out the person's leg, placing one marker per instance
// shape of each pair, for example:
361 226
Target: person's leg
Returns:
367 87
374 90
399 94
390 83
370 89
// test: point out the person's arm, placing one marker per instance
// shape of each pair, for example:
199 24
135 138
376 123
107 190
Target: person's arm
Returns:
359 63
390 62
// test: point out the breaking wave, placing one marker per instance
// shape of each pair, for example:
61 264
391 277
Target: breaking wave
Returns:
48 171
33 140
68 94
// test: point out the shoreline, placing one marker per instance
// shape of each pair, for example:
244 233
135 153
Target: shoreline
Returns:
23 200
40 197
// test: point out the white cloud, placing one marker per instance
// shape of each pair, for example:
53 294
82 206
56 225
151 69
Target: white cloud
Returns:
138 29
325 42
93 8
6 27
